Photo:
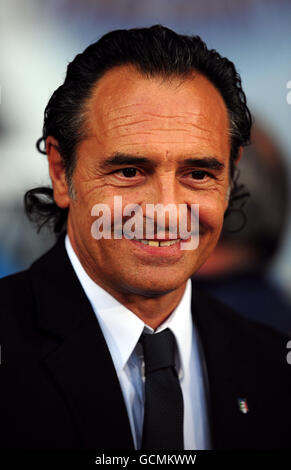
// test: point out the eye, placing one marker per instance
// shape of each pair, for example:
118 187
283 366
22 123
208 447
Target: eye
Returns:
198 174
128 172
128 176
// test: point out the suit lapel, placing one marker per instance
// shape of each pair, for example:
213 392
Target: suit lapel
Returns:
227 371
77 355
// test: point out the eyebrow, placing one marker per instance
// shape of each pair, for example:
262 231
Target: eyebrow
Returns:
125 159
208 162
211 163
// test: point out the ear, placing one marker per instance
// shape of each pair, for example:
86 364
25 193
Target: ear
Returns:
239 154
226 201
57 173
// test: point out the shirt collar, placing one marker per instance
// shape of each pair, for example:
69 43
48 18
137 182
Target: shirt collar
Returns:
122 328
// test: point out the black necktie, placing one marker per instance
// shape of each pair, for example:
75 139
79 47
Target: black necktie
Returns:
163 412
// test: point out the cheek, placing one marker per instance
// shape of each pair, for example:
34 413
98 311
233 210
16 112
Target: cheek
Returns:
211 215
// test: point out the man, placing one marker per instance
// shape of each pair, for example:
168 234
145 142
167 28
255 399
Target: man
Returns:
105 343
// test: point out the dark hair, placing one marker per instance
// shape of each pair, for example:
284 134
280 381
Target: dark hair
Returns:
154 51
270 198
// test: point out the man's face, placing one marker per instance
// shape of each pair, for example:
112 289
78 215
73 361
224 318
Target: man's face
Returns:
165 123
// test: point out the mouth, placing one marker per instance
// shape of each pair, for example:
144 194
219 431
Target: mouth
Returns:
158 248
160 242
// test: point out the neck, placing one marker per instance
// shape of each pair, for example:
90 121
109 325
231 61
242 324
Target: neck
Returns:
153 309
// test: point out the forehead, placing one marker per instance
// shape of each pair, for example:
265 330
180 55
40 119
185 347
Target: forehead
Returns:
128 109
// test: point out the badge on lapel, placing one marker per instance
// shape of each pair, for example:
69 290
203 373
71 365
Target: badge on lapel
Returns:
243 405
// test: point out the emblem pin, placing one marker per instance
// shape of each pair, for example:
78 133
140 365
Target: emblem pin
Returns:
243 405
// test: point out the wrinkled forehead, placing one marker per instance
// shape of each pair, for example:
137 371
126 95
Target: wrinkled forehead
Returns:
123 92
129 111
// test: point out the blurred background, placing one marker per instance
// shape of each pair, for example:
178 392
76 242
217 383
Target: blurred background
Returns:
38 38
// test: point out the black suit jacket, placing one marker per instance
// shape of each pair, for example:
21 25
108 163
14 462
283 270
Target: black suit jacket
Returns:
59 389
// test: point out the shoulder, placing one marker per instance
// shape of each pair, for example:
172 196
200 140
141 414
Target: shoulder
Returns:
19 287
249 344
18 293
17 302
14 288
229 319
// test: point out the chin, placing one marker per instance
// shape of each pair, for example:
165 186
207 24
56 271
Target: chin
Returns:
155 287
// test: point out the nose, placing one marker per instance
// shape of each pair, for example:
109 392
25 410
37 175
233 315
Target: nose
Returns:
165 189
166 197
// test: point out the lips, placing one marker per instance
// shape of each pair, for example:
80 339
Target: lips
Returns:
152 249
162 243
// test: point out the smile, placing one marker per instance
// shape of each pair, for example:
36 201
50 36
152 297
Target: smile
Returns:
159 242
170 249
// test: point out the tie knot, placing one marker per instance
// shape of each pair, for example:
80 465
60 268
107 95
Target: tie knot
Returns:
158 350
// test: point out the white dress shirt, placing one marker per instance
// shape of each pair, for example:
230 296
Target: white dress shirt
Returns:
122 330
